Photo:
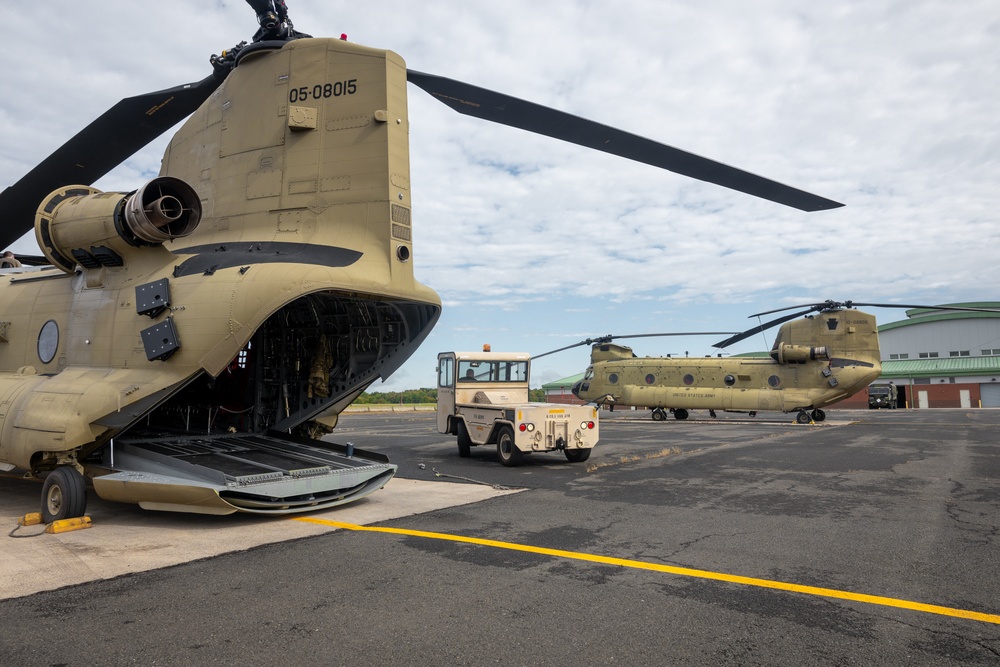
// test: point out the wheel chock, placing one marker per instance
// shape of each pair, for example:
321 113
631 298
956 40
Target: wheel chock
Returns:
66 525
30 519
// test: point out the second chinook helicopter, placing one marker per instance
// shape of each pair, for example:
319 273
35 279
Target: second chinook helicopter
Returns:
815 361
184 345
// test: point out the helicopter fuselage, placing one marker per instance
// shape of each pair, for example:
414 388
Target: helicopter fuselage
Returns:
815 362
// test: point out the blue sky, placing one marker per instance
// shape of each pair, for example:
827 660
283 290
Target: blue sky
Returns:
890 107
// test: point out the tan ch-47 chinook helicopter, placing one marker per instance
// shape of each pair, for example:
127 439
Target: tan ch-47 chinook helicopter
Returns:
184 345
814 362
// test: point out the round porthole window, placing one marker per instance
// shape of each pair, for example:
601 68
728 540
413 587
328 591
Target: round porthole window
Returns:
774 380
729 380
688 379
48 341
650 379
613 378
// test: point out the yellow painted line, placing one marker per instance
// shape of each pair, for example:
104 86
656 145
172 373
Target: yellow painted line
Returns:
670 569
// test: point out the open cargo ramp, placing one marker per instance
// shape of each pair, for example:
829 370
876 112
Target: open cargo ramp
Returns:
220 474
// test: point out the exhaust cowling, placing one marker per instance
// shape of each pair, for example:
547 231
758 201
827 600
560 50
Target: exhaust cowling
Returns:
81 226
790 354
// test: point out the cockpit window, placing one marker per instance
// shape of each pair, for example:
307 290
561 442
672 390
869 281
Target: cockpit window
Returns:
589 374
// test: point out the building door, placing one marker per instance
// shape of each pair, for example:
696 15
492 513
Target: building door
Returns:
922 402
965 397
990 395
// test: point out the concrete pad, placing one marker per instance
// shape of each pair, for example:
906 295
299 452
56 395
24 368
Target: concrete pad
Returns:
126 538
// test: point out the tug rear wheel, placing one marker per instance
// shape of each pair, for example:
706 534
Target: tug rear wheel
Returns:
64 495
464 441
577 455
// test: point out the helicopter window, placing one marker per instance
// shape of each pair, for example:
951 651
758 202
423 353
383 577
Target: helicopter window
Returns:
613 378
774 381
650 378
729 380
689 379
48 341
589 375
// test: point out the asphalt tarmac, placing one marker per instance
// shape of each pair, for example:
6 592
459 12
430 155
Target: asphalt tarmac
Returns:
872 538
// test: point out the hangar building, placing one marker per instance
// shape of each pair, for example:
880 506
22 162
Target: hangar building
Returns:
941 358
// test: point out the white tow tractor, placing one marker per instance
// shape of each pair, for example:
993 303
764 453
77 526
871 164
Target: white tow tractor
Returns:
483 399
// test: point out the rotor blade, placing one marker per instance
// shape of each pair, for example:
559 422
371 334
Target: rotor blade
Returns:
830 305
98 148
506 110
812 306
568 347
763 327
33 260
904 305
679 333
609 338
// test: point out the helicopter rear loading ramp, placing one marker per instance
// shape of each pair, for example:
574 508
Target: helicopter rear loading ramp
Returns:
271 473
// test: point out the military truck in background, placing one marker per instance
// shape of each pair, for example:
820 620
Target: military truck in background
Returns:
882 396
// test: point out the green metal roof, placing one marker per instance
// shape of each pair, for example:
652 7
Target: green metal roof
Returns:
946 366
564 383
917 317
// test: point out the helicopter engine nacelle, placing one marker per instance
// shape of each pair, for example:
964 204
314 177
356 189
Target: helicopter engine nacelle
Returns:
794 354
610 352
79 225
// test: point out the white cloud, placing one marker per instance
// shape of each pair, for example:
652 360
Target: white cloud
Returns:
889 107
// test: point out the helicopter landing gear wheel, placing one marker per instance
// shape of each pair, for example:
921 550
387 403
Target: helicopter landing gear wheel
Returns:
507 451
577 455
64 495
803 417
464 441
659 415
680 413
818 415
753 413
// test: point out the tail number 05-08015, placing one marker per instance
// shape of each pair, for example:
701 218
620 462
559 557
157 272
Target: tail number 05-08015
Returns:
322 90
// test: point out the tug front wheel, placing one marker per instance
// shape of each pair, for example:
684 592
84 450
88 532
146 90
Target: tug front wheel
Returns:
64 495
507 451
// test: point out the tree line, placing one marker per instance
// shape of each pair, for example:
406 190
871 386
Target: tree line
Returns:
425 395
